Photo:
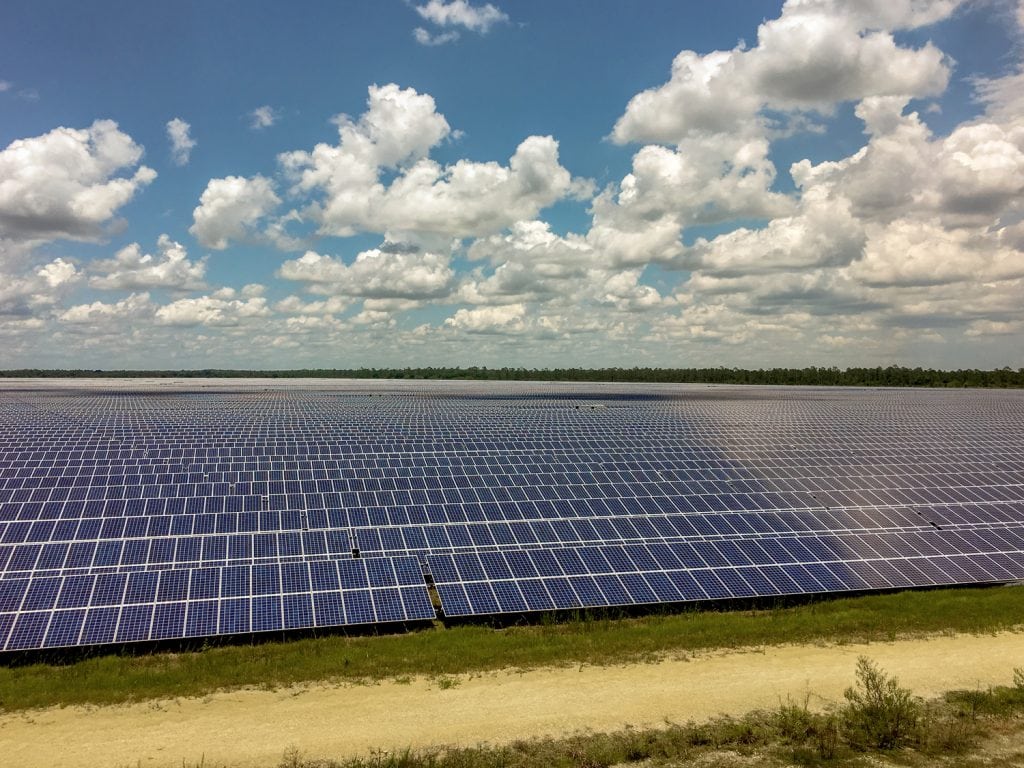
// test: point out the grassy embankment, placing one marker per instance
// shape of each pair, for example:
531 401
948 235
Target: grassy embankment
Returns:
109 679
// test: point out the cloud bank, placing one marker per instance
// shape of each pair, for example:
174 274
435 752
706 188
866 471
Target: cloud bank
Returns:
392 249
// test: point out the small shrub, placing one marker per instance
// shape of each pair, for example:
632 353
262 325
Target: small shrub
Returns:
970 704
742 732
826 737
700 735
814 737
879 713
795 723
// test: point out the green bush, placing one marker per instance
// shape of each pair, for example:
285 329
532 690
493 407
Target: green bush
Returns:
878 712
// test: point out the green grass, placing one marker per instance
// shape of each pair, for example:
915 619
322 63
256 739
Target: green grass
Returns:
440 652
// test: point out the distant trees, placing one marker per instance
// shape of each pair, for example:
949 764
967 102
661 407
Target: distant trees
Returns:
891 376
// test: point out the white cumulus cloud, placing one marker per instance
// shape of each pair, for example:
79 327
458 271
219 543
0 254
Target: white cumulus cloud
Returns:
182 143
374 274
230 208
924 253
822 233
57 272
397 132
507 319
460 13
131 269
423 37
294 305
972 176
816 54
262 117
218 309
65 183
25 295
133 307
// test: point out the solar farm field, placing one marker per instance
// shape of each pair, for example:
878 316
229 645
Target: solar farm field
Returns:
145 511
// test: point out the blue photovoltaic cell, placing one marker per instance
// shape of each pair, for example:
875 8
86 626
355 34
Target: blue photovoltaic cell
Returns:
328 610
28 630
99 626
131 514
135 623
266 614
358 607
64 629
234 616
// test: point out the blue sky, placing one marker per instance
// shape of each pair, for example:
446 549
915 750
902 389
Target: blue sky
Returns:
527 184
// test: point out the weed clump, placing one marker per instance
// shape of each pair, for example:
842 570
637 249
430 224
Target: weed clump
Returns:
879 713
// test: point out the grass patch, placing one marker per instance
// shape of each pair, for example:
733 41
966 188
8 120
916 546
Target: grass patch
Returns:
110 679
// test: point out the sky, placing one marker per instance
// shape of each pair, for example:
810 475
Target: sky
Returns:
526 184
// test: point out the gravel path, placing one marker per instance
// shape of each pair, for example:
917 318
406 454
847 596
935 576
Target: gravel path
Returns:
253 728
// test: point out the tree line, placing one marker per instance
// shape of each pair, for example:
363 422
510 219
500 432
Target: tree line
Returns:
891 376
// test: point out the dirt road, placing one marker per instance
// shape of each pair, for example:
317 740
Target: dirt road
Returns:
253 728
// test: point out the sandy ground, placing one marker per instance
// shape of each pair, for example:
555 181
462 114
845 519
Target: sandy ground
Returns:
253 728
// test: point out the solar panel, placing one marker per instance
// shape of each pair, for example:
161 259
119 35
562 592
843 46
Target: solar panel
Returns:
131 514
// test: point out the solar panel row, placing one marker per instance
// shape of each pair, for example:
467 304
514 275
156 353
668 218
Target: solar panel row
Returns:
635 574
101 549
58 611
169 513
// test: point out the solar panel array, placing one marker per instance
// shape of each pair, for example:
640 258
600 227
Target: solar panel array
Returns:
163 512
